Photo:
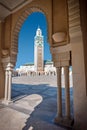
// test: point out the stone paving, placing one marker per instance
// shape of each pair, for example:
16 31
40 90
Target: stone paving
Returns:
34 104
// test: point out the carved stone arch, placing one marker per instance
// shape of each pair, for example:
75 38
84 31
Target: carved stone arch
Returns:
20 21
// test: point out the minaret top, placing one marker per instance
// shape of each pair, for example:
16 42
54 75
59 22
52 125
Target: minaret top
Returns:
38 32
38 39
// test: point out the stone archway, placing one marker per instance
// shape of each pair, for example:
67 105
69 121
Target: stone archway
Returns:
14 49
15 34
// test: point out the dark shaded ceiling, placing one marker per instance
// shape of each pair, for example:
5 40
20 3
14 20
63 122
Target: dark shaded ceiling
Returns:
9 6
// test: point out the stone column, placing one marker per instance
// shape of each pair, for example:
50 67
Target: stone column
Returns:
59 94
10 69
8 82
67 91
9 87
61 56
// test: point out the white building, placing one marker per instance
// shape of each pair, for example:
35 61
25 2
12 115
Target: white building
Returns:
29 69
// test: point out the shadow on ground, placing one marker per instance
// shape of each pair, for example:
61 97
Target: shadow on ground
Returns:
40 103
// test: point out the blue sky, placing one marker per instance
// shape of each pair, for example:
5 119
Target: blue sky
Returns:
26 39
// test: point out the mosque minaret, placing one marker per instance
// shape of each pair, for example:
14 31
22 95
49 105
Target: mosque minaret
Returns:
40 66
39 51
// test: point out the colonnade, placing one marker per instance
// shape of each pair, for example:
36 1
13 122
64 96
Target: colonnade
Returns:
33 73
63 119
62 59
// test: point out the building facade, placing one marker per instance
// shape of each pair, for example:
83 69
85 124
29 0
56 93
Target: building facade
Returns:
29 70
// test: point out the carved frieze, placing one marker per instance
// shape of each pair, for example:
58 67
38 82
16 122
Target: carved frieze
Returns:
61 59
61 56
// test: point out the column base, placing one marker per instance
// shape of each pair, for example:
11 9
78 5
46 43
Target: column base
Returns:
64 121
58 119
6 102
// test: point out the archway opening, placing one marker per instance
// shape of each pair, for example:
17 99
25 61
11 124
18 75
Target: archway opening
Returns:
35 89
26 38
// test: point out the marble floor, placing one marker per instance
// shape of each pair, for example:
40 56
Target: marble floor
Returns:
34 104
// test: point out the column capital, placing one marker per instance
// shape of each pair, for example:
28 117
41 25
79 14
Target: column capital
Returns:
62 59
7 64
60 49
9 67
61 55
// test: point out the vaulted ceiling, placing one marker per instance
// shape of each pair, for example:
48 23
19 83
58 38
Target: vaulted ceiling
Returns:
9 6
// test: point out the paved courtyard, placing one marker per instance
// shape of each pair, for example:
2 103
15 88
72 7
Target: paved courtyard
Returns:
34 104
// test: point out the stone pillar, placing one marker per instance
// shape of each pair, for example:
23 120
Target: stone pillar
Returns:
2 82
67 92
61 56
9 87
59 92
59 96
8 82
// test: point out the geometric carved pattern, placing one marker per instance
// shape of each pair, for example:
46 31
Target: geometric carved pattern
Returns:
74 17
61 56
62 59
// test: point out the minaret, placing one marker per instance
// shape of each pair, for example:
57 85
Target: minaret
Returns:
38 51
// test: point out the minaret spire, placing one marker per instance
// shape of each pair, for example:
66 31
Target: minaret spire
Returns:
39 32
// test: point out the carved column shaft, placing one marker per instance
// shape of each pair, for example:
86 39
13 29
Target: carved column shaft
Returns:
67 91
6 84
9 87
59 95
8 81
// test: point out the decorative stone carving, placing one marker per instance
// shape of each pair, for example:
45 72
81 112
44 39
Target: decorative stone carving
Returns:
8 67
5 52
61 56
74 18
61 63
61 59
60 49
59 37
